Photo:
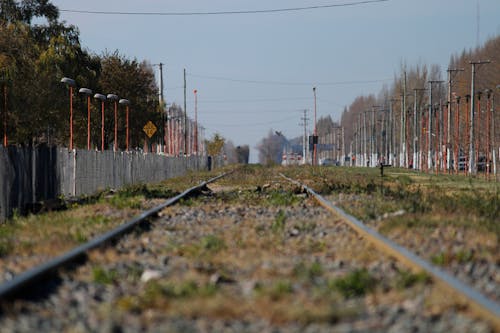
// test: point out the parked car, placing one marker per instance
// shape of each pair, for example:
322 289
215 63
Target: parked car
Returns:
328 162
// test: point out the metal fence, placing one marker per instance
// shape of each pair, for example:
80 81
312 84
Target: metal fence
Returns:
31 175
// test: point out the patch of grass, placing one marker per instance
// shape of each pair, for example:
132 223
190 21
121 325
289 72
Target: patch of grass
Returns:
278 224
305 226
157 292
354 284
282 198
122 201
407 279
314 246
212 244
277 290
188 202
6 247
79 236
6 238
308 272
464 256
441 259
149 191
104 276
445 258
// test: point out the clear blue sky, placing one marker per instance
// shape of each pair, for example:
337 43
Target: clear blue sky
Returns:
295 50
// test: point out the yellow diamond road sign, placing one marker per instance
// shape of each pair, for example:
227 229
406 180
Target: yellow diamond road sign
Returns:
149 129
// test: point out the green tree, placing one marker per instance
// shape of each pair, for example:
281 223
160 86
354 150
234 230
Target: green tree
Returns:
215 145
134 81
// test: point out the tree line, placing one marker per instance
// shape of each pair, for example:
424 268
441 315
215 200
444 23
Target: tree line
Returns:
398 115
393 126
35 104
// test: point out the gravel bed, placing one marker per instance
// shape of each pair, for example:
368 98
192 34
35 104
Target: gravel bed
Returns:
473 259
214 266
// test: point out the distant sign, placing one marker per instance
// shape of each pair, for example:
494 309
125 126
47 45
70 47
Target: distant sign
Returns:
150 129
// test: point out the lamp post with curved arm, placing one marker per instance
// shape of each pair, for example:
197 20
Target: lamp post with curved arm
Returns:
102 98
88 93
114 98
126 102
71 84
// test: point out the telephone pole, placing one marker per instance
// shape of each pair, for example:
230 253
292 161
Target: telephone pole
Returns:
429 126
392 144
185 117
305 150
315 135
402 155
162 105
451 73
416 162
472 153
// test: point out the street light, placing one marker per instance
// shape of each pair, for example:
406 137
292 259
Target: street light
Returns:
125 102
71 83
315 137
88 93
102 98
114 98
196 122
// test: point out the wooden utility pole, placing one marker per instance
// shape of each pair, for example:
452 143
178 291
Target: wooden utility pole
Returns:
402 156
429 126
185 117
315 135
305 150
451 72
472 152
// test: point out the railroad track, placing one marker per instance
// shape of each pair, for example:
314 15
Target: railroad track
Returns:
252 255
16 285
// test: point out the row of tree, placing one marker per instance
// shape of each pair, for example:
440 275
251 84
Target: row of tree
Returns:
422 141
393 126
34 58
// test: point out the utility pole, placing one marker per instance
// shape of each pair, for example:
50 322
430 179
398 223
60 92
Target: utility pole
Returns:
416 161
451 72
359 158
315 135
342 151
364 140
185 117
373 159
391 133
162 141
196 122
402 155
429 125
472 154
305 150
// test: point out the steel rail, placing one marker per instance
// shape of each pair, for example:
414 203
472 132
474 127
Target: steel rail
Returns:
479 304
13 287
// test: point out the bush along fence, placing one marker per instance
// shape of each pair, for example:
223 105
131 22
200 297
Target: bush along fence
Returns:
33 175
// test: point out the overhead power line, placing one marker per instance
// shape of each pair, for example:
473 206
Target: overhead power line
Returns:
282 83
235 12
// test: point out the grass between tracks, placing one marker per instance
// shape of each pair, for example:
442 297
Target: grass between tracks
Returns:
50 233
413 207
267 266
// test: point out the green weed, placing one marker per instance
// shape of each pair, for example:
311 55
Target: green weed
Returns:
276 291
406 279
354 284
212 244
308 272
278 224
102 276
